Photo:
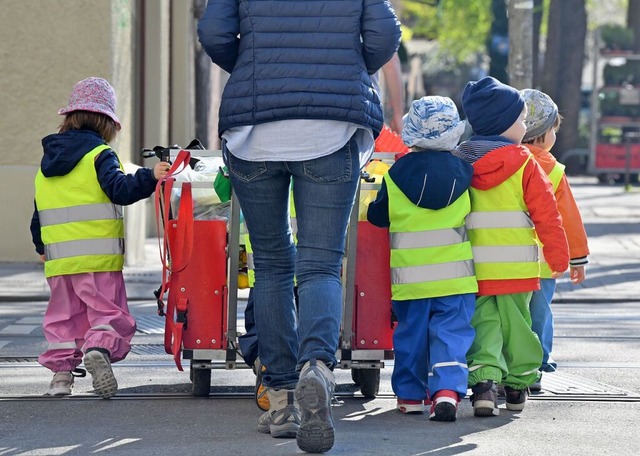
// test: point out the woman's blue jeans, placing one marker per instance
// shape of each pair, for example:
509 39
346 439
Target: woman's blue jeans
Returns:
323 193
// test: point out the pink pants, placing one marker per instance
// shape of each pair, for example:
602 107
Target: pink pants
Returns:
85 311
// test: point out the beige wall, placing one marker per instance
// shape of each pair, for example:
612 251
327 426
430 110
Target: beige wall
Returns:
46 47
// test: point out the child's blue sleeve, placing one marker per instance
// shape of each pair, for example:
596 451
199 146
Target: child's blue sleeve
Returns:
378 211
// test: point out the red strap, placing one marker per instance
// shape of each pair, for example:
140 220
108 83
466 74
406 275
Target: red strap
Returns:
174 258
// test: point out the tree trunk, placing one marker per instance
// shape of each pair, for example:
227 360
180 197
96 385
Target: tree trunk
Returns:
497 42
520 43
564 61
633 22
535 64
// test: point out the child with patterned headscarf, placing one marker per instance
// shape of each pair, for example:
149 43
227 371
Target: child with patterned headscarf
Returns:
424 200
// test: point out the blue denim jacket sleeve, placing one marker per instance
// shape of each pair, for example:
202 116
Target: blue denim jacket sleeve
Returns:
380 33
218 31
378 210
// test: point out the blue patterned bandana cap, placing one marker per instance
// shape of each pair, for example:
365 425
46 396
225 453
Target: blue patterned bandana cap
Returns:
432 123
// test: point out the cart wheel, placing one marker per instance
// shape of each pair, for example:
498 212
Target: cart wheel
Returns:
201 382
355 376
369 382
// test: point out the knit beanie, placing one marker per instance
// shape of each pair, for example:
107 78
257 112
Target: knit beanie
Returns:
542 113
432 123
94 95
491 107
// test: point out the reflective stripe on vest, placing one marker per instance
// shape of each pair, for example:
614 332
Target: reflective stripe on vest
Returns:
430 250
555 176
82 213
82 230
501 232
70 249
417 240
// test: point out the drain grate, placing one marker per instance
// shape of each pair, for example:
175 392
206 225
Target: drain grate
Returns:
148 349
150 325
562 384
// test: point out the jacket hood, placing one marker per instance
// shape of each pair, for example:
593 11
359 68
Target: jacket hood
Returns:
431 179
63 151
544 158
498 160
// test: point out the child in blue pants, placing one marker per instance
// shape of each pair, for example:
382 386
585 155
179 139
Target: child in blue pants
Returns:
424 202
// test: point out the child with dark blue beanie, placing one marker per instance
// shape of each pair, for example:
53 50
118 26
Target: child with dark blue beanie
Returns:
512 200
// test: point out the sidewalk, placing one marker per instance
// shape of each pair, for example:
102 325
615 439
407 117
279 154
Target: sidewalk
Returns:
611 217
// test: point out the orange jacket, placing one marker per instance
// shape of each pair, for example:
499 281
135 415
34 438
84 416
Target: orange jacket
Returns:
493 169
567 206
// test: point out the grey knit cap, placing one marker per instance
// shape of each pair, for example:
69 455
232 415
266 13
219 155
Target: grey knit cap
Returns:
542 113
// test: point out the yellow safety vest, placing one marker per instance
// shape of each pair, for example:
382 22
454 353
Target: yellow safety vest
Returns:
555 176
502 233
430 251
82 230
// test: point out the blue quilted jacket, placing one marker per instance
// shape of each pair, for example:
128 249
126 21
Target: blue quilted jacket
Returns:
299 59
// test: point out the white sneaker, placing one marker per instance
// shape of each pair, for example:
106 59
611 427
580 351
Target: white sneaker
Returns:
99 366
61 385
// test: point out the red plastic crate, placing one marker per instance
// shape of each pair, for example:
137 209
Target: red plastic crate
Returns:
614 156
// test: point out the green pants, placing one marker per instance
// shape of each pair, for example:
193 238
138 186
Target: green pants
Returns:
505 349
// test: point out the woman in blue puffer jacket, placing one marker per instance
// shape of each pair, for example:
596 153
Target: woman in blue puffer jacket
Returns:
299 106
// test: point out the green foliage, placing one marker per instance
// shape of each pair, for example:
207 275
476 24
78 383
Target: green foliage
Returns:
460 26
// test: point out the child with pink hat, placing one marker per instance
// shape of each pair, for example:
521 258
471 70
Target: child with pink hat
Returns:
78 230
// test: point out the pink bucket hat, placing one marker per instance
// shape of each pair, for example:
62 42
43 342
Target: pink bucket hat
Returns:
94 95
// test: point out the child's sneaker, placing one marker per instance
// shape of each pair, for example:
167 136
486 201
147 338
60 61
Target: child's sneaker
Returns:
313 393
409 406
96 360
282 420
516 399
61 384
485 399
537 386
260 393
444 406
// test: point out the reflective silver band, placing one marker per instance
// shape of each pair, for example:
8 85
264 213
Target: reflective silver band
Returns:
102 328
103 211
431 238
109 246
250 265
432 272
448 364
294 225
510 219
62 346
505 254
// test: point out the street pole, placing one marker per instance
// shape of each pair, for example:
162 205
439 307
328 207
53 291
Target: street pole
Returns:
520 14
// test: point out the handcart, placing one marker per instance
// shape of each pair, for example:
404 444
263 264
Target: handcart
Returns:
366 338
200 278
200 260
